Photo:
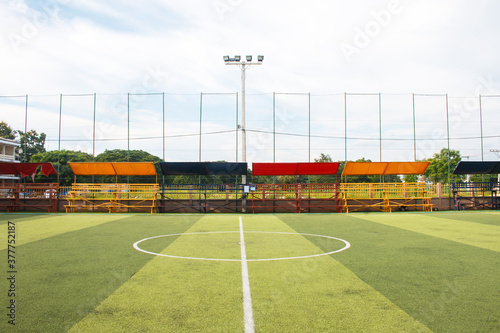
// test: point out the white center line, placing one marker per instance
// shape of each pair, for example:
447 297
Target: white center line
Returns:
247 298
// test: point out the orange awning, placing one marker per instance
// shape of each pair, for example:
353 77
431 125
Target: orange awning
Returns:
364 168
384 168
113 168
406 168
135 169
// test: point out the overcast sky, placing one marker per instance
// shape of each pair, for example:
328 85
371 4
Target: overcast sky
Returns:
317 46
421 46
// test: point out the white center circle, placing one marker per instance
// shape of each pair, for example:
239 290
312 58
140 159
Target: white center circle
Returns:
346 246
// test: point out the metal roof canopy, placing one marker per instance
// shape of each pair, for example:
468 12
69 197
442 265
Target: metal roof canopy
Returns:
295 169
481 168
204 168
384 168
26 169
113 168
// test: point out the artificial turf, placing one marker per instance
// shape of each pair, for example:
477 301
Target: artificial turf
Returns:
403 272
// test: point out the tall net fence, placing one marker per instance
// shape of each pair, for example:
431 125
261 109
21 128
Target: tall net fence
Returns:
285 127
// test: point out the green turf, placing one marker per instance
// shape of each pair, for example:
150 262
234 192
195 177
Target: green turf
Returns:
482 217
5 217
176 295
447 285
62 278
317 294
480 235
30 230
404 272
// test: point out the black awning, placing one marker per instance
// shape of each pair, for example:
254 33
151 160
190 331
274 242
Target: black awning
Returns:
472 168
203 168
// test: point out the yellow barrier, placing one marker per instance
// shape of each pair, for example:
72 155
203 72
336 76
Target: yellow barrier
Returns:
384 196
112 197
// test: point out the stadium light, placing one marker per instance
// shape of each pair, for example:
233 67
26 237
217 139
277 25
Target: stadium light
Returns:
243 65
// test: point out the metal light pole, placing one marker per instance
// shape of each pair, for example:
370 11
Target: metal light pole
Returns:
243 65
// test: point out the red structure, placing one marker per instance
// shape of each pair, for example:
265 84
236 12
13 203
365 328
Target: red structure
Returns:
26 169
294 169
28 196
295 198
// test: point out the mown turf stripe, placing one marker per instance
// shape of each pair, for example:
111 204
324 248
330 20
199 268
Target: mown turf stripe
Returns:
470 233
64 277
448 286
18 217
482 217
316 294
179 295
31 230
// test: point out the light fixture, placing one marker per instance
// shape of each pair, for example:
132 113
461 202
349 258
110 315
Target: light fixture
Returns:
260 58
237 58
249 58
226 58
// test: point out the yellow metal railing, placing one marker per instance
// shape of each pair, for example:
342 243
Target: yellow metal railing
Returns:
113 197
384 196
382 190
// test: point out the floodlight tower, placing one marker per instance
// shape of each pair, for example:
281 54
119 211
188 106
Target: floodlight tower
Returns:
243 65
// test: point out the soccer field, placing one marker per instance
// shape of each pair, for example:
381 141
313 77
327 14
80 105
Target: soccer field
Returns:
361 272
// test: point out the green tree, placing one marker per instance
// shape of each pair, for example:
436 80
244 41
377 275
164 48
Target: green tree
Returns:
32 143
121 155
442 165
6 131
66 176
410 178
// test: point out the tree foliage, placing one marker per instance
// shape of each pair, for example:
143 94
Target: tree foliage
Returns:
32 143
442 165
6 131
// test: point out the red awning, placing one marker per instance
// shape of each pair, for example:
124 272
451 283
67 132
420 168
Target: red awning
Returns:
26 169
293 169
